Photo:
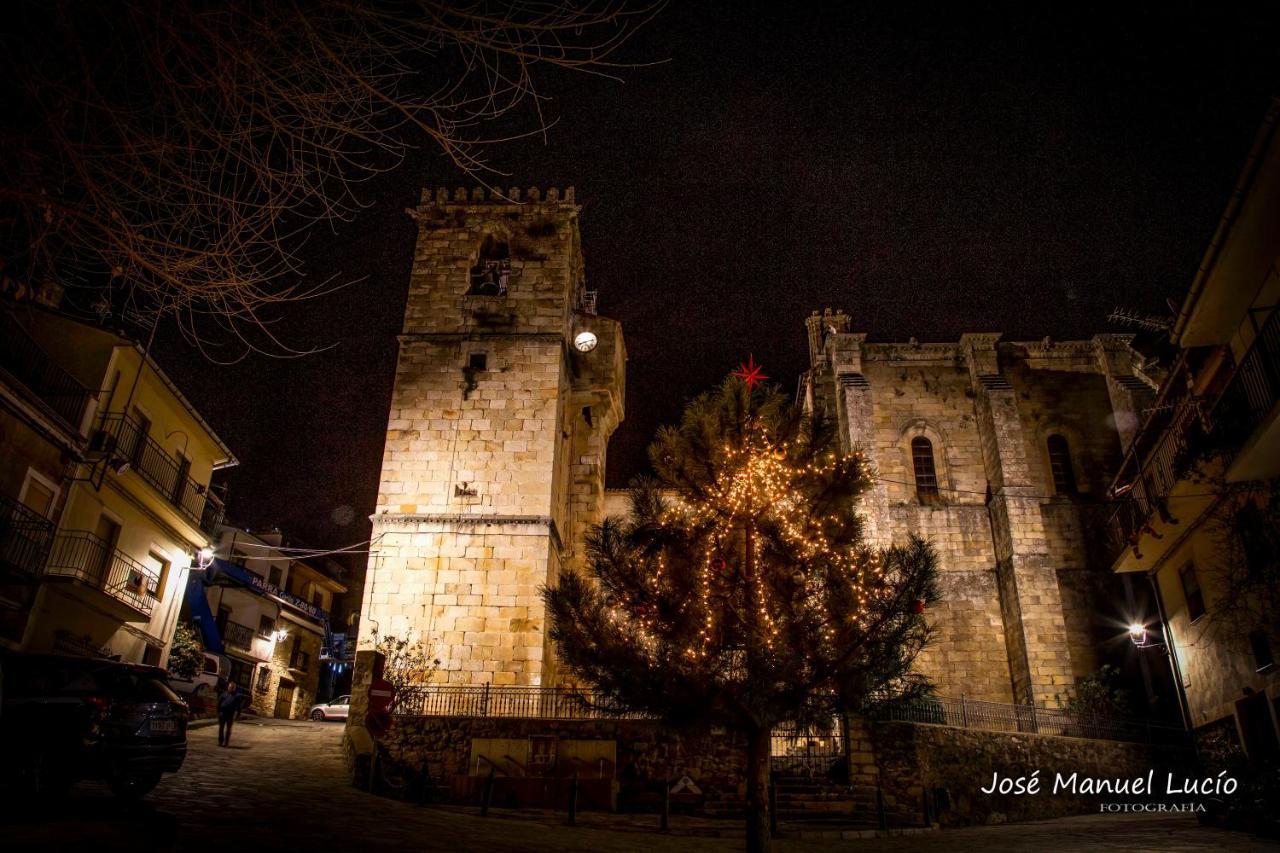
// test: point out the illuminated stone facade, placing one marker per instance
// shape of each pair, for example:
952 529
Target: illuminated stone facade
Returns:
1026 604
494 460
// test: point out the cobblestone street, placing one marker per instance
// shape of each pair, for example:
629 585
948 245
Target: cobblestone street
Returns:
282 786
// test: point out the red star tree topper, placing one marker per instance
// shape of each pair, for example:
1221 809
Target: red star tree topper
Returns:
750 373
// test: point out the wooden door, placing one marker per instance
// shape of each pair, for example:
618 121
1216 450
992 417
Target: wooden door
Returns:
284 700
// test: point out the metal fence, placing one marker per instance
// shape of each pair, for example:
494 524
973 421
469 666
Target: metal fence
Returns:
804 748
548 703
85 557
808 750
25 537
999 717
167 475
1196 426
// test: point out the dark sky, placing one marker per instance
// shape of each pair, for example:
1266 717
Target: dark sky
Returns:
1000 170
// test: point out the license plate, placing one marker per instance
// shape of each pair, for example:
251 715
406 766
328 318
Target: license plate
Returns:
163 727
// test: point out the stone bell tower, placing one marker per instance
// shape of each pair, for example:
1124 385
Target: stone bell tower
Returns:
494 460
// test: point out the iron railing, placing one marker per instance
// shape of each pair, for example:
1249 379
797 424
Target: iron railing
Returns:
24 359
1196 427
129 441
999 717
83 556
1252 392
25 538
548 703
238 636
806 749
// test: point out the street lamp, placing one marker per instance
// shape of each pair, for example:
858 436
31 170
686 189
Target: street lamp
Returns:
1138 634
205 557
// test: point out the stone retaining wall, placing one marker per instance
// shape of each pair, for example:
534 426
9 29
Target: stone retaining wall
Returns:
911 758
903 759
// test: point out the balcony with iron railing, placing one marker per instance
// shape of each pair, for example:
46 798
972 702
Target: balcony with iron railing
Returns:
127 440
83 557
22 357
25 538
1182 432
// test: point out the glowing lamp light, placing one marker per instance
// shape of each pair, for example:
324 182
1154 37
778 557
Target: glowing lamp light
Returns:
585 341
280 636
1138 633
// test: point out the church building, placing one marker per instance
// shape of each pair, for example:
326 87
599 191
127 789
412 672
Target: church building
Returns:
509 385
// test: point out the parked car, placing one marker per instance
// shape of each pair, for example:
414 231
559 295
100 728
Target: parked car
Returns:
333 710
63 719
213 670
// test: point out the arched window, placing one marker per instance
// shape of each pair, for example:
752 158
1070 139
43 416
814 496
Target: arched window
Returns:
493 268
1064 476
926 472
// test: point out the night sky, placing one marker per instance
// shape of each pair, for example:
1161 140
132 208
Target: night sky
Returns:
988 172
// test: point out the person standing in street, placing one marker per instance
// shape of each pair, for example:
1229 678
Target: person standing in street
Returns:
228 707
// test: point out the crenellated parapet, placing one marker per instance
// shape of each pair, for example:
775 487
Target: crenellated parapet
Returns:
496 195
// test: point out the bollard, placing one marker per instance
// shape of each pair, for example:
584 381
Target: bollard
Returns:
666 806
882 815
573 799
486 795
928 808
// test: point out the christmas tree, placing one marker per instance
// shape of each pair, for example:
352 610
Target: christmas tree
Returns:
739 591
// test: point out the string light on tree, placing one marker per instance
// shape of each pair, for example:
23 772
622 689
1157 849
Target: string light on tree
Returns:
739 590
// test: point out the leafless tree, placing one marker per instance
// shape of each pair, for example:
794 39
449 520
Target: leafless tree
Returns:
173 154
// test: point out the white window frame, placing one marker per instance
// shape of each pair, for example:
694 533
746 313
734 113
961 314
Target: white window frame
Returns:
54 489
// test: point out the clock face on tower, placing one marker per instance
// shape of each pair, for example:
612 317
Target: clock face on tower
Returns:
585 341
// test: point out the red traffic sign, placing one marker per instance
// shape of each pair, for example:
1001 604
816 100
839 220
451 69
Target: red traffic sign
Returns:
382 694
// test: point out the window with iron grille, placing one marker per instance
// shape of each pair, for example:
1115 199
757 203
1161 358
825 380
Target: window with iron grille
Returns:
264 679
266 626
1191 591
1064 476
926 473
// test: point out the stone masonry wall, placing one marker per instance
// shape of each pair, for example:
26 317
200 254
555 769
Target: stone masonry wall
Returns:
491 458
1025 598
903 759
913 758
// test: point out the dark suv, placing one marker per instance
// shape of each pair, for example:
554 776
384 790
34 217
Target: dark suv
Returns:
65 718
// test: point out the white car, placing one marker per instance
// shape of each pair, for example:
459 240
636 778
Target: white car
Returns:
205 684
334 710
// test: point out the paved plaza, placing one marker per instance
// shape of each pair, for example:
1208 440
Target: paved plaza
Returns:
282 786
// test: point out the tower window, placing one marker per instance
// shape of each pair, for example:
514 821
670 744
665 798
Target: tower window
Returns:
478 361
926 473
1064 477
492 272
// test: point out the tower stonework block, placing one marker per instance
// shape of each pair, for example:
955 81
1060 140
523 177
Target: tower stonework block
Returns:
494 456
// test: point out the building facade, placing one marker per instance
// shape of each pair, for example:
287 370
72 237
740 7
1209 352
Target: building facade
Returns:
508 386
995 452
111 524
1201 511
267 614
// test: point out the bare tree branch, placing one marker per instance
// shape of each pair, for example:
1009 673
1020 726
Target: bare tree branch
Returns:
170 156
